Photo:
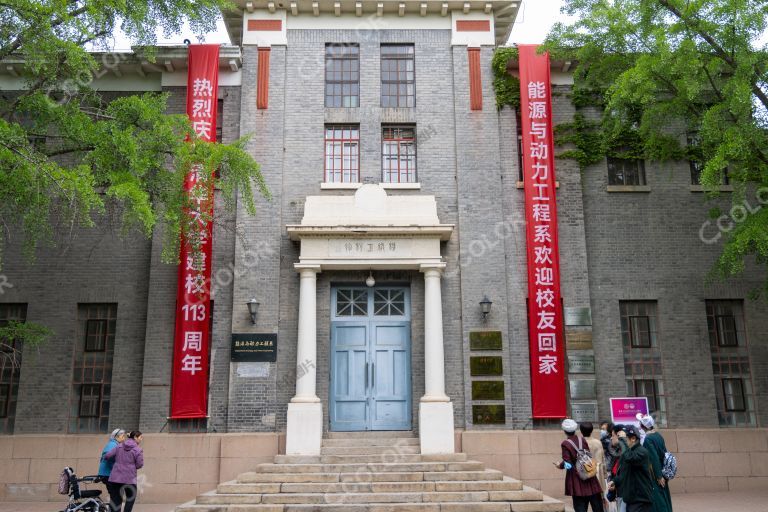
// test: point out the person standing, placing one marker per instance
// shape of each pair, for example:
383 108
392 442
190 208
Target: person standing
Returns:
128 459
583 492
634 483
657 449
105 466
596 450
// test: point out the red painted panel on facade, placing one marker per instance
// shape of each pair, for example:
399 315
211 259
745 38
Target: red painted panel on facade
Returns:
473 25
262 81
545 314
265 25
475 80
189 385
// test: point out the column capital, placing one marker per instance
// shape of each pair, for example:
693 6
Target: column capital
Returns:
303 268
432 267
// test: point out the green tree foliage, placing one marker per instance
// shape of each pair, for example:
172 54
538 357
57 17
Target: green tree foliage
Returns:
662 73
70 156
506 86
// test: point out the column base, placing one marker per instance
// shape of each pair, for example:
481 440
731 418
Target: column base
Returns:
436 427
304 432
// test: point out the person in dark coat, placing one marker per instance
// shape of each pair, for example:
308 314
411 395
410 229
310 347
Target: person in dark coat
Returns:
634 482
128 458
582 492
105 466
657 449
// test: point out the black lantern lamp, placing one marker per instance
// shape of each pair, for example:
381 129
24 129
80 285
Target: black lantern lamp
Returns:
253 309
485 306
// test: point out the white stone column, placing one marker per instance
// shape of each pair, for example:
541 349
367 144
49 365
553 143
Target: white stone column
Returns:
305 413
435 408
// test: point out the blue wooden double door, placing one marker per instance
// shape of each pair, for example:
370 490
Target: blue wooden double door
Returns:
370 359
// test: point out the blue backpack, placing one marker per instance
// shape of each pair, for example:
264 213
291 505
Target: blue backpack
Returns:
669 469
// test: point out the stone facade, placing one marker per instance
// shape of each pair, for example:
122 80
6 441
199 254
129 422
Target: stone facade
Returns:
637 245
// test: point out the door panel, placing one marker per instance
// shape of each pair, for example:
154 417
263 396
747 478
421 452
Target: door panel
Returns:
370 359
349 382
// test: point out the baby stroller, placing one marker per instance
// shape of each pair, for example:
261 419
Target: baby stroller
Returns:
80 500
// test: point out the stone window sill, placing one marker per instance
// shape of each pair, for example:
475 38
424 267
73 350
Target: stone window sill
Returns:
521 185
355 186
628 188
721 188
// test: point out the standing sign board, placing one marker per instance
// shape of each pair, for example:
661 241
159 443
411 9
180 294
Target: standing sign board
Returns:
624 410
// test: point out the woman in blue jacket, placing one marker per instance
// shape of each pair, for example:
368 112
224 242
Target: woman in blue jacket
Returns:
105 466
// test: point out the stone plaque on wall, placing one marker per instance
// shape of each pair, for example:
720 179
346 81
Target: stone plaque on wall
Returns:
485 340
488 414
584 411
583 389
485 365
578 339
578 316
369 247
581 363
488 390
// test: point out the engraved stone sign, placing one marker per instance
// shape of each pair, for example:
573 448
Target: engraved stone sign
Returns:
488 390
578 316
485 340
578 363
485 366
369 247
583 389
488 414
584 411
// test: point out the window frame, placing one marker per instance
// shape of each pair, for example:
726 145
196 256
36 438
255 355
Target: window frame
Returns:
719 331
742 395
639 170
342 128
633 332
91 385
411 174
385 84
653 400
105 332
344 56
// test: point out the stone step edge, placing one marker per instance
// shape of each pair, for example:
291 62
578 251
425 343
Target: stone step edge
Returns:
548 505
408 497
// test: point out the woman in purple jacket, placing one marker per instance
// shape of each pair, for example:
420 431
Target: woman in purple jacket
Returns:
128 458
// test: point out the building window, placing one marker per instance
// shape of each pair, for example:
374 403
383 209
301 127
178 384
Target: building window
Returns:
92 372
398 154
730 363
10 366
219 119
342 75
642 356
398 75
342 154
626 171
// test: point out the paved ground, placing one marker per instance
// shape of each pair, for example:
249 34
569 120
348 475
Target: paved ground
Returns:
747 501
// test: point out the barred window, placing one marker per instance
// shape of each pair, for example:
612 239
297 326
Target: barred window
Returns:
642 356
398 75
342 75
342 154
398 154
730 363
626 171
92 372
10 366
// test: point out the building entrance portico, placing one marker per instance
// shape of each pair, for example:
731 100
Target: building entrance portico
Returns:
370 230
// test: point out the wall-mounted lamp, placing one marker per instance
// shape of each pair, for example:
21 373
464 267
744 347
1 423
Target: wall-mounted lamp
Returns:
253 309
370 282
485 306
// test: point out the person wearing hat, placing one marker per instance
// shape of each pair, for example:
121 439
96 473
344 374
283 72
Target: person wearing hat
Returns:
105 466
634 483
583 492
657 449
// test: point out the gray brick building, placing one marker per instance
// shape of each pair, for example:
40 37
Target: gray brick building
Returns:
393 132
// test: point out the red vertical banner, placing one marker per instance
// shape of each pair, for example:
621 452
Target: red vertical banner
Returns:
545 314
189 387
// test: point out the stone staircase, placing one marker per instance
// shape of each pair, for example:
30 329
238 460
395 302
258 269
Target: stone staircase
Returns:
373 472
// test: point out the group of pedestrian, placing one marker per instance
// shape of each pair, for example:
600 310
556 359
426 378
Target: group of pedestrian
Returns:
621 472
121 458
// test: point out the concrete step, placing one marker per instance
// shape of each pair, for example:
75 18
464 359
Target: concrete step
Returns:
446 478
390 456
504 485
371 441
371 435
546 505
363 467
369 497
385 449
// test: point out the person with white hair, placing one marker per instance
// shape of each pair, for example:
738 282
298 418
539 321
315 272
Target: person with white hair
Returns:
583 492
657 449
105 466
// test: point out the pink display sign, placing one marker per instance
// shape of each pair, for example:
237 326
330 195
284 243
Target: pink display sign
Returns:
624 410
